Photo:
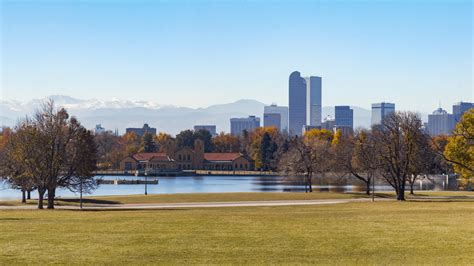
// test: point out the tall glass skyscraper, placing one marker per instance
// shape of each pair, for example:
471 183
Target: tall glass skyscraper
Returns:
313 101
304 102
297 103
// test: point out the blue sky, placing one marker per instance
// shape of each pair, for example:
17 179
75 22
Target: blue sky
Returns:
197 53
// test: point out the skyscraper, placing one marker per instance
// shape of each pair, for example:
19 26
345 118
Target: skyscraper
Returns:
304 102
313 101
460 108
237 125
344 116
381 110
282 111
297 103
440 123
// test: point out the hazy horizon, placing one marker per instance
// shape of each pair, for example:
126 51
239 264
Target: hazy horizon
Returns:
196 54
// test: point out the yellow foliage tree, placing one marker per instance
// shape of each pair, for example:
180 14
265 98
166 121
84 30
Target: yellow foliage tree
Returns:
460 147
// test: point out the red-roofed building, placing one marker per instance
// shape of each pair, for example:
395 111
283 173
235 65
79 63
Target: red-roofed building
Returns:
176 160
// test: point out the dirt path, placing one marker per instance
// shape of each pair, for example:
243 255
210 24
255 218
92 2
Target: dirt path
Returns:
200 204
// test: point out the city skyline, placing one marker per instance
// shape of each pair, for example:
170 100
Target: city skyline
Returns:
224 59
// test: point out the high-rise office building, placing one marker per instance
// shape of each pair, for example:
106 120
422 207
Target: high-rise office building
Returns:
237 125
210 128
272 120
344 116
440 123
460 108
282 111
313 101
380 111
304 102
297 103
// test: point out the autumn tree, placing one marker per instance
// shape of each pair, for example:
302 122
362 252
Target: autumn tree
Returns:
459 150
226 143
161 139
262 146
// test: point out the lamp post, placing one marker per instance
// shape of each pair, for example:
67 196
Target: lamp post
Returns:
146 192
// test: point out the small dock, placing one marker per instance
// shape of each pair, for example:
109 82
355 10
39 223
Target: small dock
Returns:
128 182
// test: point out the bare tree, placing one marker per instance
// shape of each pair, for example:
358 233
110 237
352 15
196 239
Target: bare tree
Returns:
83 163
356 155
307 157
396 141
48 151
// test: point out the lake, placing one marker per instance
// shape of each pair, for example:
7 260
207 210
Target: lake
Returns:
196 184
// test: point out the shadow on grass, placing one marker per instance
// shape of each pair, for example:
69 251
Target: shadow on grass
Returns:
87 201
364 195
440 200
12 219
123 210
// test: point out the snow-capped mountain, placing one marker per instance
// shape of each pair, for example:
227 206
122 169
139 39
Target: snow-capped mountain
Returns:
120 114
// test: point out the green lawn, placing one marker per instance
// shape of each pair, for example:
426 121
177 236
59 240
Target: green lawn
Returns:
353 233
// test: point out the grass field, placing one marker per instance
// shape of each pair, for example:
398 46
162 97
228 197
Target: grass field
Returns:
257 196
353 233
196 197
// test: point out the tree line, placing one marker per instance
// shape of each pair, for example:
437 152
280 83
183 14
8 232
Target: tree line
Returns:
52 150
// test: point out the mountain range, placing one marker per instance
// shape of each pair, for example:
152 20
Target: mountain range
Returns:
120 114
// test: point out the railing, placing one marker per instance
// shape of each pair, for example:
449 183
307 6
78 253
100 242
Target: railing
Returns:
190 172
230 172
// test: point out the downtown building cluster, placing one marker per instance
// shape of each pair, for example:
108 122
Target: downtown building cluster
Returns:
304 112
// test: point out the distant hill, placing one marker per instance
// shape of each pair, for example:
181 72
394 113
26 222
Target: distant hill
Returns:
121 114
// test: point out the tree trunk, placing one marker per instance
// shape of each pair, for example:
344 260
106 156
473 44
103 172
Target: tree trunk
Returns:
401 194
367 187
51 195
310 183
23 196
28 194
411 188
306 183
40 198
81 197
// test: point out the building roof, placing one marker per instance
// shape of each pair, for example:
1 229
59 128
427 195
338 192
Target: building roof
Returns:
215 156
146 156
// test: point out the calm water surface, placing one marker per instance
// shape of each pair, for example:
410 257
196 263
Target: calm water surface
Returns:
193 184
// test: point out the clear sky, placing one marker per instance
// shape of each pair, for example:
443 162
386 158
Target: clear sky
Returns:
197 53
